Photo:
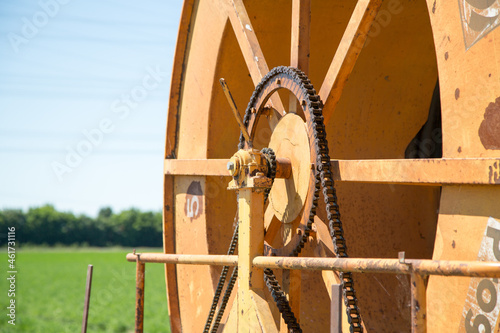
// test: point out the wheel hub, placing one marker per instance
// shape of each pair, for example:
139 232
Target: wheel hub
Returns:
289 140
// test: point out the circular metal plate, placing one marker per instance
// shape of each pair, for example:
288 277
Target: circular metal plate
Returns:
290 140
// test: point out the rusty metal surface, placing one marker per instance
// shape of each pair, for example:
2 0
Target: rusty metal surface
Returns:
392 90
418 269
189 259
445 171
425 267
139 297
88 288
394 266
419 171
418 304
319 176
336 309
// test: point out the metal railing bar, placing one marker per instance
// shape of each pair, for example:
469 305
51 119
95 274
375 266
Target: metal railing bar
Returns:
357 265
188 259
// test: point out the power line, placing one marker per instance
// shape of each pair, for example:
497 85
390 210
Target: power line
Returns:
97 151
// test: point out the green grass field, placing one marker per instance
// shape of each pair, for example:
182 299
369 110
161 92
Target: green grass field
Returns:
50 289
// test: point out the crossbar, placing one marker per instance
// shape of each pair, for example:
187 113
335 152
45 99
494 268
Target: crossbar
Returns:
394 266
361 265
417 268
430 172
187 259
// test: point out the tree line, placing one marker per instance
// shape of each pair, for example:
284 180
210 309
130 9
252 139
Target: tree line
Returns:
47 226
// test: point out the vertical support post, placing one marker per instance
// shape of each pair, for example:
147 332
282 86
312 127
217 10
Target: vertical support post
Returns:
418 304
336 309
139 295
250 245
87 298
292 282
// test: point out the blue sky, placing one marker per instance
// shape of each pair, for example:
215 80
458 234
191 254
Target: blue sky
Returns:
84 89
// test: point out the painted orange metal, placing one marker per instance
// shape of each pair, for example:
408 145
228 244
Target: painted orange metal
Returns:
419 271
139 298
378 111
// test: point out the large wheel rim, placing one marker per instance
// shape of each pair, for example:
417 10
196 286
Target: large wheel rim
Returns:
236 23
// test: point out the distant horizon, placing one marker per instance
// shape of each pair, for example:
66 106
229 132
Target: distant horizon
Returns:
25 209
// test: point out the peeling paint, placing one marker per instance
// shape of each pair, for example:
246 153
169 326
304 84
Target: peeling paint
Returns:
193 207
479 17
489 130
480 309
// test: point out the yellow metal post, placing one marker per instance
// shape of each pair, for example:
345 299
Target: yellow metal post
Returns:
139 301
250 245
418 304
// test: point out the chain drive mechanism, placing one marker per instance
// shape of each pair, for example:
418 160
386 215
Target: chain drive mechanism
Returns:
311 103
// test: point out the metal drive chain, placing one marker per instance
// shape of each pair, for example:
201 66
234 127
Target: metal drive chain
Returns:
314 103
222 280
272 283
271 163
269 277
225 299
281 301
324 180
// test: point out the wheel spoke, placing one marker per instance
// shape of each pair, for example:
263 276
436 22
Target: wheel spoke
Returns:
299 55
324 238
347 53
271 224
301 21
250 47
325 249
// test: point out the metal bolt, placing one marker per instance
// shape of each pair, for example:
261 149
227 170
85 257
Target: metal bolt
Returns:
401 256
231 168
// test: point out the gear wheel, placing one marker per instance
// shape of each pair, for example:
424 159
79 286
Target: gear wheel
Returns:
321 178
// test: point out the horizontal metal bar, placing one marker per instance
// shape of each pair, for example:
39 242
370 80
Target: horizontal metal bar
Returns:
425 267
188 259
394 266
434 172
211 167
419 171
